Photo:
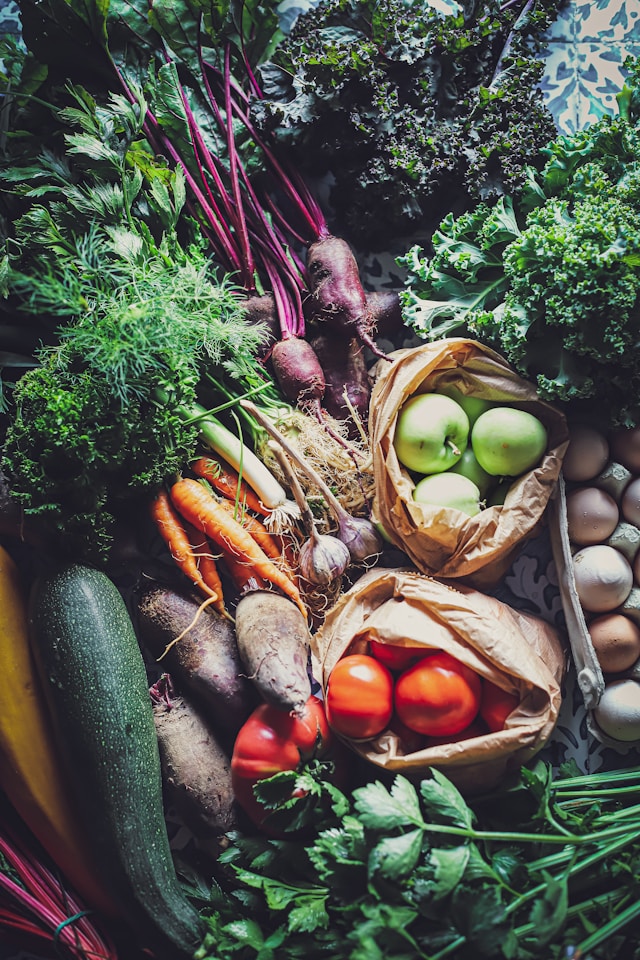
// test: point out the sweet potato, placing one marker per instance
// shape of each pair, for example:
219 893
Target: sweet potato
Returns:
205 662
196 771
273 640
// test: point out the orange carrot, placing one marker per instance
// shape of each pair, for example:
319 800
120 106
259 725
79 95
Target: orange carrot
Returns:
228 482
203 553
257 530
170 527
196 505
242 575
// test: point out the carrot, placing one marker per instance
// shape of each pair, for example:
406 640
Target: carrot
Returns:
196 505
267 540
205 559
170 527
228 482
244 580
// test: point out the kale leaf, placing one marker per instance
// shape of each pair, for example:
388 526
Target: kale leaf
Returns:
550 277
412 112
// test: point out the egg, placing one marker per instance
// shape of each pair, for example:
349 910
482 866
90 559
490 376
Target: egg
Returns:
616 641
603 578
618 712
625 447
592 515
630 503
587 454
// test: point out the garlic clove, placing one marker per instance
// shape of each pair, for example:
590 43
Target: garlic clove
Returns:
323 558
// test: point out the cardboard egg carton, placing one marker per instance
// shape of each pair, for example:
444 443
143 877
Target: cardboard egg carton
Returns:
626 538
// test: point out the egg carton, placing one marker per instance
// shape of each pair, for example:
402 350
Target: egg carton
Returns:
590 677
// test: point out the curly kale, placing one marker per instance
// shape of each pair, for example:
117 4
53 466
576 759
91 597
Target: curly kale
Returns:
412 112
551 277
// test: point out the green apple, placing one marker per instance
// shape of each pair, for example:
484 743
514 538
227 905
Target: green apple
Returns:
508 441
469 467
472 406
432 433
499 493
449 490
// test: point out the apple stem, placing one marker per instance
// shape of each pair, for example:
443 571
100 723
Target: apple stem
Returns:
454 448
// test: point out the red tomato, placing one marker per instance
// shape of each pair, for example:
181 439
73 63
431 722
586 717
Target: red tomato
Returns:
438 696
394 656
359 697
475 729
496 704
272 740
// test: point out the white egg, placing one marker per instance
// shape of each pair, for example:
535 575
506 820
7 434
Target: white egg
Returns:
630 503
603 577
618 712
592 515
586 455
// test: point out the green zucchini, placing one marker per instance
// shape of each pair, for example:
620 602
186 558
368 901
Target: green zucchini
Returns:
96 685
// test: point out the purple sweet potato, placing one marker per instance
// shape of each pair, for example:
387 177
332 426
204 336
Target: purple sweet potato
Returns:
196 770
205 661
336 292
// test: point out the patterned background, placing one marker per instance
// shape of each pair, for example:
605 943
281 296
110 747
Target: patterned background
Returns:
586 49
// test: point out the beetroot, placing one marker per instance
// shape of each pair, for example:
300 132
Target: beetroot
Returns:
298 370
261 309
386 313
336 292
345 368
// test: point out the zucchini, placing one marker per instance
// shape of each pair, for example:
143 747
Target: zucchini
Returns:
30 767
95 681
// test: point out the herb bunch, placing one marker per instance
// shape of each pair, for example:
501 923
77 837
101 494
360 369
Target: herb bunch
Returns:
412 111
414 872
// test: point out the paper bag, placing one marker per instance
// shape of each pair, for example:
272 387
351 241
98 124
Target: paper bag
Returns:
521 653
441 541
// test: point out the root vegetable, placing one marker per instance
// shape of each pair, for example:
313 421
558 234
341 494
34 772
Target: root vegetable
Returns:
298 371
205 662
196 771
347 387
337 295
274 640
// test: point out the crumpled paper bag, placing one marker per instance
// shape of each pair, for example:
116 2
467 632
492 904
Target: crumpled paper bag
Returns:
441 541
519 652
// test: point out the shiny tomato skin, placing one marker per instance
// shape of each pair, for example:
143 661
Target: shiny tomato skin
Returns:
438 696
395 657
272 740
359 697
495 705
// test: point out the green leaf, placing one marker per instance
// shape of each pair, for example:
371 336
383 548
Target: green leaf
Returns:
549 911
396 857
387 810
449 866
444 802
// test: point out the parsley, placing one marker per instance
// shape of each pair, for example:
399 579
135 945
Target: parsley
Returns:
412 870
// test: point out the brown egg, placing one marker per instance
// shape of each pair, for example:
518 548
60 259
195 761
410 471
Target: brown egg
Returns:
592 515
625 447
630 503
616 641
586 455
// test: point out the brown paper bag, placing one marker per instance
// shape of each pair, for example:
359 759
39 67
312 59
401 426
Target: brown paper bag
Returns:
521 653
441 541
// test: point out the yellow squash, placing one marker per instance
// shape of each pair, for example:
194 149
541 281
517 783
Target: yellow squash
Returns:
30 774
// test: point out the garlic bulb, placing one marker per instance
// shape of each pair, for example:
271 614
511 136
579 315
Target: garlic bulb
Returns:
323 558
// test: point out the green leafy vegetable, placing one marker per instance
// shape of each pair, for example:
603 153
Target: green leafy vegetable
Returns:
550 276
412 871
412 110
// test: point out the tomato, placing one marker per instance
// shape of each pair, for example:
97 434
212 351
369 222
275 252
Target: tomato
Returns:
395 657
438 696
359 697
476 728
496 704
272 740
